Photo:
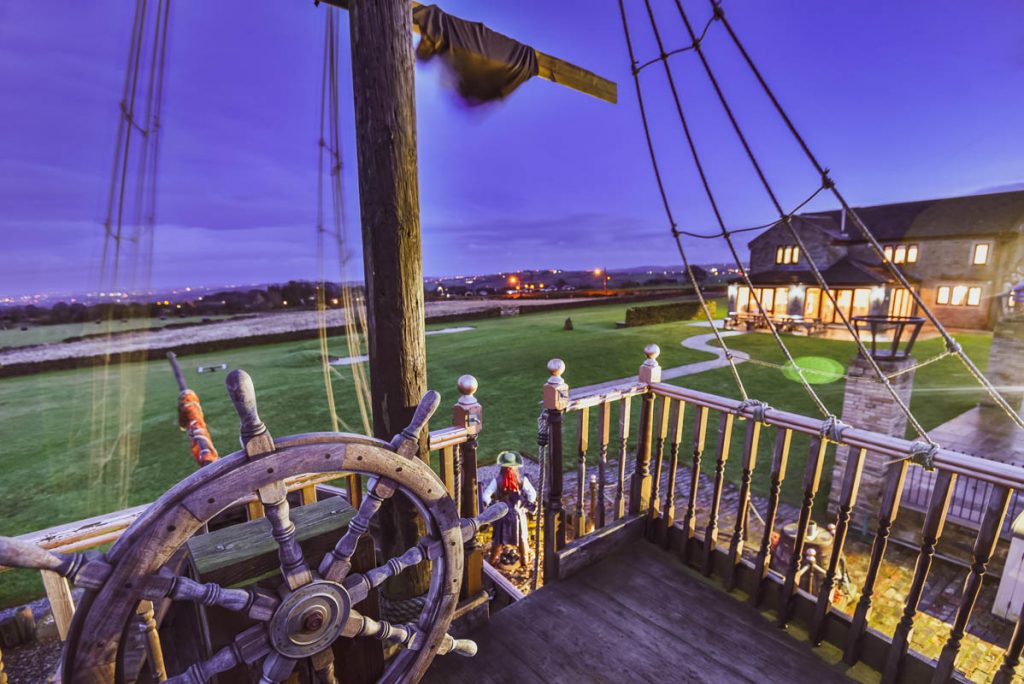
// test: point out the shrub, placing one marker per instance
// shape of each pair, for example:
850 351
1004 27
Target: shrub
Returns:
665 313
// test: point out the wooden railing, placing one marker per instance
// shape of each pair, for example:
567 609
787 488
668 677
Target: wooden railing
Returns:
456 446
649 512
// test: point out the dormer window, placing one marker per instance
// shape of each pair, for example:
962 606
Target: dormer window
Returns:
980 255
787 254
901 253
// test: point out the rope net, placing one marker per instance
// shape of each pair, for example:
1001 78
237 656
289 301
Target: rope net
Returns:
784 218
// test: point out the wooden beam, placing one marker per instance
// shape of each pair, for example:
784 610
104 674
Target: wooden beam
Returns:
552 69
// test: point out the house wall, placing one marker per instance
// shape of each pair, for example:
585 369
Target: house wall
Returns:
818 243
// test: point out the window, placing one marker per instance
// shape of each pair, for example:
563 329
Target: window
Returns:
787 254
958 295
980 256
901 253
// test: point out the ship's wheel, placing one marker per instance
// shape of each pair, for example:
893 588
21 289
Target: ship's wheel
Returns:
313 606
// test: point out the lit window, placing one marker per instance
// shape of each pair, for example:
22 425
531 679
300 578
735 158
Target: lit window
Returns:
887 251
980 254
974 296
943 295
787 255
912 254
796 254
900 255
959 294
778 255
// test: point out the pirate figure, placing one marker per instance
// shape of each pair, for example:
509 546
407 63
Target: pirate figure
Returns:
515 490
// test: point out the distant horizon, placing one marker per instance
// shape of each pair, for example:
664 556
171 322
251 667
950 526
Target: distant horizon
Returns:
547 175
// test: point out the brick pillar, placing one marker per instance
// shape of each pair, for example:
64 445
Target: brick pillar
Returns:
1006 360
868 405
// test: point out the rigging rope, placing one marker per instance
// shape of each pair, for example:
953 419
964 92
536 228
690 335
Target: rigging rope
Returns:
714 205
330 162
951 343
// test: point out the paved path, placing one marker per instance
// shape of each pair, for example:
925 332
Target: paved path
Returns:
703 343
349 360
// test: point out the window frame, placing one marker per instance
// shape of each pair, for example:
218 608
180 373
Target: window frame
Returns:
942 298
974 253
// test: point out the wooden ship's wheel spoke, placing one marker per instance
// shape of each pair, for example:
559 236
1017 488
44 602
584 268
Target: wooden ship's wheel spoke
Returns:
247 648
311 608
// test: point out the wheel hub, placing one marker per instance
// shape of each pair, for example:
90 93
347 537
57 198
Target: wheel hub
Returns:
309 619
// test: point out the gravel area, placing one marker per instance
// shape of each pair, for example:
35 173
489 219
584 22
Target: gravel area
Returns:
265 324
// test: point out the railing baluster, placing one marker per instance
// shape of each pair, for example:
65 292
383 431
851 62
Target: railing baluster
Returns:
935 519
3 675
447 465
661 433
780 457
751 441
1006 672
665 530
620 484
984 547
640 486
725 422
556 398
700 431
847 499
604 419
812 478
891 495
582 444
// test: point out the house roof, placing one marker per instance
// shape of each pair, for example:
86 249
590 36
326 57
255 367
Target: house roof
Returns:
991 214
846 271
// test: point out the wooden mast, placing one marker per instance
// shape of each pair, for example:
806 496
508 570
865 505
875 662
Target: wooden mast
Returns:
385 124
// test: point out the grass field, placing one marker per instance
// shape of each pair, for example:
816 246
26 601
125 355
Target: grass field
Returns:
46 334
57 464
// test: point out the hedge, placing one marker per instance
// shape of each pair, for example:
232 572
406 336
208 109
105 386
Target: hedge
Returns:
665 313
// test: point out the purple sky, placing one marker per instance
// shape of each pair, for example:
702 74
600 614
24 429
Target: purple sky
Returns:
902 100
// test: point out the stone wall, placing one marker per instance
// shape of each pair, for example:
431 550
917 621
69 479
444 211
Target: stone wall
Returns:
867 404
1006 361
819 246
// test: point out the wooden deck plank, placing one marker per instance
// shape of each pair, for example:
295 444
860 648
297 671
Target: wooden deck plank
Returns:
638 615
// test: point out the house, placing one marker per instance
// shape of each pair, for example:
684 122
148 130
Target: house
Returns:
961 254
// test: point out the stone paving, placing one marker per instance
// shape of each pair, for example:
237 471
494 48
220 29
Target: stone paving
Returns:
987 635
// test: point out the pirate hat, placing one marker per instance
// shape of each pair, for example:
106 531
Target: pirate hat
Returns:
510 459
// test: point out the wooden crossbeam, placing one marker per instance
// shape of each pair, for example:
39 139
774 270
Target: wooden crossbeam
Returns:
552 69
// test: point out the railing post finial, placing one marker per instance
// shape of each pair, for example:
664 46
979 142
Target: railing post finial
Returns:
556 390
467 410
650 371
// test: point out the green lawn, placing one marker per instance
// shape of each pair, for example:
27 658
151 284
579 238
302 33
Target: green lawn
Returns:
14 336
57 463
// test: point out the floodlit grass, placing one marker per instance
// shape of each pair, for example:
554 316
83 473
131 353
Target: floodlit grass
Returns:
14 336
53 467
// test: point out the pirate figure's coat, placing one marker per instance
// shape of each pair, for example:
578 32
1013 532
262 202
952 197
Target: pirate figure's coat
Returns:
514 489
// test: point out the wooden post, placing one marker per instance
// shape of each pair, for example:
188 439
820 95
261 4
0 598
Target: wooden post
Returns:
620 482
582 445
780 458
895 477
751 442
812 478
725 421
556 399
154 650
934 521
468 413
700 430
666 530
847 500
604 419
62 605
640 486
3 675
984 547
654 511
385 124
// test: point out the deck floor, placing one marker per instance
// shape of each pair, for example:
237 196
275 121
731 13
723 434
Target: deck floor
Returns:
638 615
